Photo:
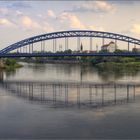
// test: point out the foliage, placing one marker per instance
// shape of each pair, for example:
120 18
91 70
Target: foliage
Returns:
11 64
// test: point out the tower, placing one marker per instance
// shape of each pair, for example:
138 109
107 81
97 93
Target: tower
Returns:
81 48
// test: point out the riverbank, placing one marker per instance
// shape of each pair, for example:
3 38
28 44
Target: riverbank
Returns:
115 62
9 65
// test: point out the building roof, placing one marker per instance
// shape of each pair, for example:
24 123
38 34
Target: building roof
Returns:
106 45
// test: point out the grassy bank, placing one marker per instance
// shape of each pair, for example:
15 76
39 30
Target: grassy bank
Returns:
10 64
116 65
116 62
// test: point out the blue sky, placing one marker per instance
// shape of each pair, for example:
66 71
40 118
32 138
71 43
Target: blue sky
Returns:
23 19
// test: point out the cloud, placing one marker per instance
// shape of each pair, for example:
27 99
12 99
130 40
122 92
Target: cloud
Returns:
18 13
135 29
47 27
72 20
6 22
95 6
51 14
28 23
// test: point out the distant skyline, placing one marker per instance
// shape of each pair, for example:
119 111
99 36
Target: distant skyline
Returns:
23 19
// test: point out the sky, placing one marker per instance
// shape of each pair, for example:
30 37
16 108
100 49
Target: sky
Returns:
23 19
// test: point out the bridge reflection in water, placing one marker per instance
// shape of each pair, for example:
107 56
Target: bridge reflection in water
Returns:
72 94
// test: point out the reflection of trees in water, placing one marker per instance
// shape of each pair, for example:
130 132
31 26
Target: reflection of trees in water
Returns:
109 72
10 73
1 75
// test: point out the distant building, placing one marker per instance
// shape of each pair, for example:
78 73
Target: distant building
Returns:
136 50
111 47
89 51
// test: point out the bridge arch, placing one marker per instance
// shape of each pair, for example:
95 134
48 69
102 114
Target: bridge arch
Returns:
67 34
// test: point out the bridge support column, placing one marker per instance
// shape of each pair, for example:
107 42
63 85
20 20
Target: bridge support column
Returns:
20 50
26 49
135 46
90 43
103 41
66 44
54 45
43 45
78 43
29 48
128 46
116 44
32 47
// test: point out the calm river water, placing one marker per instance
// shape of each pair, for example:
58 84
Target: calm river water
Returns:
69 101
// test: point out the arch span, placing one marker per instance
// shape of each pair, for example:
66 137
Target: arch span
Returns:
72 33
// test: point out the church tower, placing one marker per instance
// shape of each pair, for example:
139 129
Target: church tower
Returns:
81 48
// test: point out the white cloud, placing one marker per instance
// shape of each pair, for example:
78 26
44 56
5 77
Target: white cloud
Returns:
72 20
28 23
51 14
18 13
6 22
47 27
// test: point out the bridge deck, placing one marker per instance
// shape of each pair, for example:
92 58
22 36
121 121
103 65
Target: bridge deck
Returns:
129 54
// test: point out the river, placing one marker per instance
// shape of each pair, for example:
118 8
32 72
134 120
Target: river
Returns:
69 101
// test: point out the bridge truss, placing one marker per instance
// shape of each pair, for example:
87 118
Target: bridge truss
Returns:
26 47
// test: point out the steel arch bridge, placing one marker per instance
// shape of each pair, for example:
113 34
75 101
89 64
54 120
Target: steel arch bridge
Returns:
29 42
